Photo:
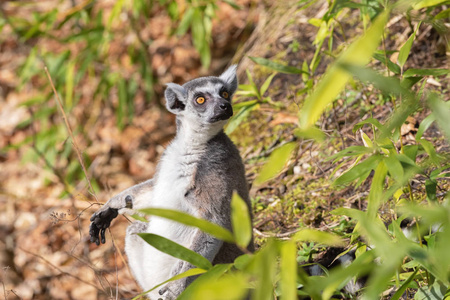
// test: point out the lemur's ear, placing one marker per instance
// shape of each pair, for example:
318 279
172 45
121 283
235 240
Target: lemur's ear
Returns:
175 98
229 76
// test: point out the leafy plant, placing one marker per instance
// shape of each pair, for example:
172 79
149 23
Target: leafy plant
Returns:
388 256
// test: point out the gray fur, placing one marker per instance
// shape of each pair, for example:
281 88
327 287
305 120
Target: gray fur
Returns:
197 174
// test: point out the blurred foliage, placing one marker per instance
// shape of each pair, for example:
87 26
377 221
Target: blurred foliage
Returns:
81 50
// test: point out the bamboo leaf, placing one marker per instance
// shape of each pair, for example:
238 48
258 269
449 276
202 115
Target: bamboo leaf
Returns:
264 271
69 84
425 72
288 271
240 219
185 21
334 80
428 3
321 237
266 84
360 170
186 219
405 49
394 167
276 162
229 286
169 247
188 273
115 13
213 274
441 111
424 125
239 117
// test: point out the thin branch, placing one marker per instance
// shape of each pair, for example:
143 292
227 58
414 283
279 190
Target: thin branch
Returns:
69 129
59 270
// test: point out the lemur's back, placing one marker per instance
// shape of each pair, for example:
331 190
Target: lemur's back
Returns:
222 165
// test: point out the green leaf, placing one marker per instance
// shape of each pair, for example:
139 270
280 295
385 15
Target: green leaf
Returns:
240 219
334 80
376 189
243 104
429 149
169 247
311 132
380 56
430 188
139 218
266 84
394 167
361 170
121 110
366 140
321 237
205 55
370 121
265 263
445 14
115 13
435 292
288 271
425 72
237 119
188 273
409 82
387 84
340 276
185 21
276 66
213 274
410 151
198 29
424 126
186 219
69 84
276 163
406 48
350 151
441 111
428 3
229 286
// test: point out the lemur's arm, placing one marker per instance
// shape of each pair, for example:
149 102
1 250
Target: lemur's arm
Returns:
135 197
203 244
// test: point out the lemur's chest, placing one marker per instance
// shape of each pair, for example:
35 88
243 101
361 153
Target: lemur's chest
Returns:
175 177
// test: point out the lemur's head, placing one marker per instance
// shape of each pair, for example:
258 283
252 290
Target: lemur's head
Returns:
204 100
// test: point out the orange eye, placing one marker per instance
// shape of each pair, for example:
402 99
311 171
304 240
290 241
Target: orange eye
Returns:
200 100
225 94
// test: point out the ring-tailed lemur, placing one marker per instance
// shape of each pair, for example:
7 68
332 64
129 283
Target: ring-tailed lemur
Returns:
197 174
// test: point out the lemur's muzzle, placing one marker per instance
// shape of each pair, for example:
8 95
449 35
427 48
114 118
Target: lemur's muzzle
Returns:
222 111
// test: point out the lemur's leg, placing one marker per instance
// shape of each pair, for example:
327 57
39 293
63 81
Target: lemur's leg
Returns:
134 245
205 245
135 197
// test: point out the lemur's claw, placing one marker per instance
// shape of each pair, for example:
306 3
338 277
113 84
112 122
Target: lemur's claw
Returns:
100 222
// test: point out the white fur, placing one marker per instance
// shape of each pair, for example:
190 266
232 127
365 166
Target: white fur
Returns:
175 174
229 74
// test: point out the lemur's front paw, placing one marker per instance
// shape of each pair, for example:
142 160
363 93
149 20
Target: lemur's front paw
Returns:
102 218
100 222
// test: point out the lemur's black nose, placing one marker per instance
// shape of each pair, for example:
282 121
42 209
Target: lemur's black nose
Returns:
224 106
